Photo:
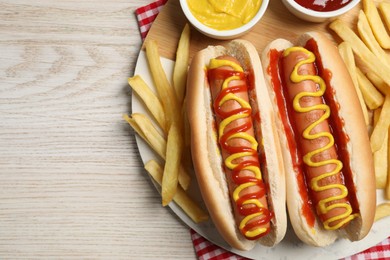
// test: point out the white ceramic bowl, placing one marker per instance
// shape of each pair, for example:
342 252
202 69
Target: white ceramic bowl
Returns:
316 16
223 34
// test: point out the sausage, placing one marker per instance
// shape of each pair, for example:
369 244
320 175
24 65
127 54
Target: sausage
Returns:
323 169
236 137
235 146
328 161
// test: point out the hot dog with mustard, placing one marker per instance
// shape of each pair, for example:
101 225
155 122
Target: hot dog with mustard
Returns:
235 145
329 169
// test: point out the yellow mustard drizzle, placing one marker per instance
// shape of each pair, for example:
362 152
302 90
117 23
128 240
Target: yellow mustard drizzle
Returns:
323 207
229 161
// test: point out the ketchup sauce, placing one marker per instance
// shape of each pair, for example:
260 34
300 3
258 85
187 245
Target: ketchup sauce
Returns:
337 125
323 5
258 215
275 70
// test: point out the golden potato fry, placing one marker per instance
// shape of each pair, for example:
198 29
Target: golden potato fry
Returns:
376 23
346 53
382 210
369 39
172 163
387 188
186 159
135 127
378 83
377 113
384 9
181 64
165 91
151 101
361 50
145 128
372 97
180 82
381 164
184 177
380 130
172 108
189 206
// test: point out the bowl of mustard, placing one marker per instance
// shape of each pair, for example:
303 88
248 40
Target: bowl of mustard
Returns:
224 19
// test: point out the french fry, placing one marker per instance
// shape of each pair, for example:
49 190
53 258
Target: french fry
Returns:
387 188
372 97
189 206
361 50
187 159
172 163
377 113
384 9
168 98
181 64
378 83
381 164
379 133
382 210
369 39
165 91
184 177
346 53
376 24
151 101
145 128
180 82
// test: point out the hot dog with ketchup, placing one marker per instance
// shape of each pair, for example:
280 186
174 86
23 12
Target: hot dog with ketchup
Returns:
328 160
235 145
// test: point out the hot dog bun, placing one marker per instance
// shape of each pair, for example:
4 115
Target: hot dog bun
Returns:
358 147
208 163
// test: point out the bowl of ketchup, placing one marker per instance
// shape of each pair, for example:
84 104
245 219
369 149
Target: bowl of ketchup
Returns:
319 10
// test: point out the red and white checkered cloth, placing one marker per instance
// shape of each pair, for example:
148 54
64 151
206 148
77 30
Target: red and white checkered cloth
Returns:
203 248
147 14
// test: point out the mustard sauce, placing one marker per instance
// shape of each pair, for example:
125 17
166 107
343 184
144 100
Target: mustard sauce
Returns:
224 14
323 205
245 225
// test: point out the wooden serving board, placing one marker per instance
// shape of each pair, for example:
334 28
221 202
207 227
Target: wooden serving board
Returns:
277 22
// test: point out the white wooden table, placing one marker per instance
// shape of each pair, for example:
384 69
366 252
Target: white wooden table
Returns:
72 183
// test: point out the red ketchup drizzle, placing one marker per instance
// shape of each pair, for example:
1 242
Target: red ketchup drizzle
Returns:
337 126
323 5
275 70
237 177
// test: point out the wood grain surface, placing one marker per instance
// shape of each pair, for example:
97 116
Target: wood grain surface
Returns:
72 184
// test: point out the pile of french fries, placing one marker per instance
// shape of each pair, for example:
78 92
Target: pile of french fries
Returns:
167 131
366 53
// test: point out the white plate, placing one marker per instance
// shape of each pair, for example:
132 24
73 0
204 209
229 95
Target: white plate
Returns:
290 247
